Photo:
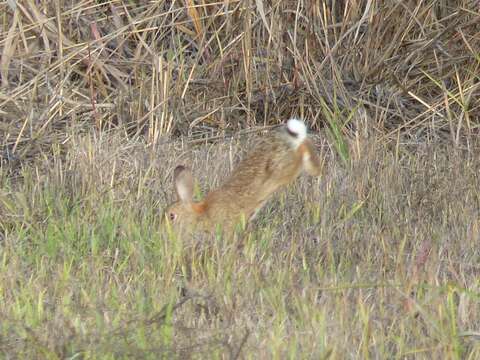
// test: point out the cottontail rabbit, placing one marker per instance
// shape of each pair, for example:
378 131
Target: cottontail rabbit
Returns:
276 161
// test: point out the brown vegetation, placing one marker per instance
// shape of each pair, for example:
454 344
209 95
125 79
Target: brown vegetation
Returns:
196 68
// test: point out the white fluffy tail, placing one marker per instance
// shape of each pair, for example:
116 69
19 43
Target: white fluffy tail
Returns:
297 130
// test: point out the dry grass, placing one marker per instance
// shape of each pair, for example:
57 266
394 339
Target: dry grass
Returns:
197 68
379 258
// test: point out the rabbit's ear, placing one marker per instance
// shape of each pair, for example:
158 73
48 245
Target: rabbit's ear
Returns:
311 160
183 179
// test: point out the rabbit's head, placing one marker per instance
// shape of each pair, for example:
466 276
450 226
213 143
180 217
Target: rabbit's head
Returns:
185 210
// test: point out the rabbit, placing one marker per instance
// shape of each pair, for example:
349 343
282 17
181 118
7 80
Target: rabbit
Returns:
276 161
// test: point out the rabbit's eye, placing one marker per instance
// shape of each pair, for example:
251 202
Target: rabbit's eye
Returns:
172 216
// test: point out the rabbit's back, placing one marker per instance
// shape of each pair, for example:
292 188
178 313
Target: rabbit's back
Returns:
271 165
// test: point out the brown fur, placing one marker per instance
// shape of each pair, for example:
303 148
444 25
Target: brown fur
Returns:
274 162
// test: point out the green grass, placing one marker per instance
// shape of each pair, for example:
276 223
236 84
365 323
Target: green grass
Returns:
365 263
